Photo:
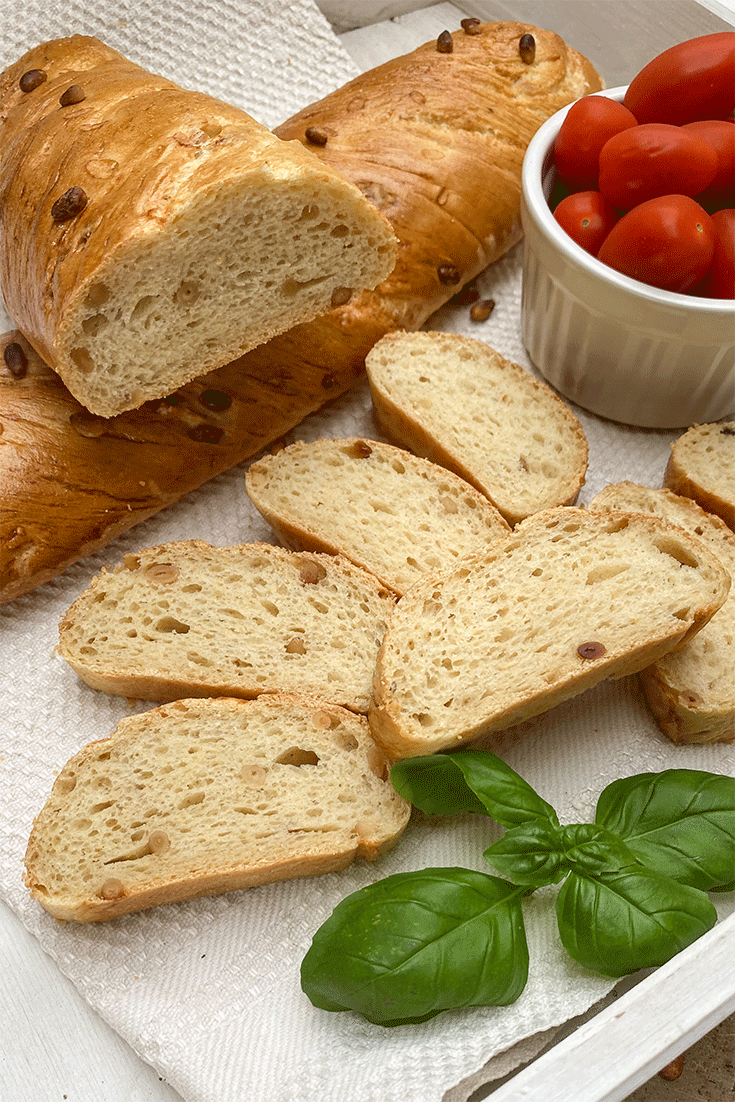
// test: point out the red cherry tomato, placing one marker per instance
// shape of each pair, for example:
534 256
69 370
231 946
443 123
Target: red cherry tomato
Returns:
721 135
587 126
667 242
587 217
720 279
654 159
693 80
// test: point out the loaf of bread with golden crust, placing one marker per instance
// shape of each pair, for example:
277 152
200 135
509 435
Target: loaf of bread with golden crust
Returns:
436 141
151 233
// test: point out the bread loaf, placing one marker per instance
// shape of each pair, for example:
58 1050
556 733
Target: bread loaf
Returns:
690 691
461 404
206 796
386 510
151 234
407 134
186 619
702 466
569 598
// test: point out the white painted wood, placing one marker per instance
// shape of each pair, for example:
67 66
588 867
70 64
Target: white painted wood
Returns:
631 1039
53 1047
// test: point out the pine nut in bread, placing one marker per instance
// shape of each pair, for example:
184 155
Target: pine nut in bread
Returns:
151 234
451 191
569 598
187 619
702 466
690 691
386 510
201 797
458 402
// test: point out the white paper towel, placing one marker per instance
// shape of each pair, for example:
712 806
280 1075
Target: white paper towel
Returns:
208 992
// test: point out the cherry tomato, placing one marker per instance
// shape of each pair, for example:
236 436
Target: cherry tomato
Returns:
587 126
587 217
720 279
721 135
693 80
654 159
667 242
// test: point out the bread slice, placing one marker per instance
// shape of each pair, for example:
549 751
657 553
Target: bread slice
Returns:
691 691
383 508
206 796
459 403
702 466
569 598
151 234
186 619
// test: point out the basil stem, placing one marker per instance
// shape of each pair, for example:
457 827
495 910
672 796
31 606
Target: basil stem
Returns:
616 923
406 948
469 780
680 822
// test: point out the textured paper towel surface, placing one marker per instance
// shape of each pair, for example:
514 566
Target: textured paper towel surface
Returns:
208 992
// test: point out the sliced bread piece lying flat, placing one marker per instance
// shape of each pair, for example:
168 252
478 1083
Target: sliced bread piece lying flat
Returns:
187 619
702 466
204 796
151 234
459 403
691 691
569 598
383 508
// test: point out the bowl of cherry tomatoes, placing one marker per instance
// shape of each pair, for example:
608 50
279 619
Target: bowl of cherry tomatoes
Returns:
628 302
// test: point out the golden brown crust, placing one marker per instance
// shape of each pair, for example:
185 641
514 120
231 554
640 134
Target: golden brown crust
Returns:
65 495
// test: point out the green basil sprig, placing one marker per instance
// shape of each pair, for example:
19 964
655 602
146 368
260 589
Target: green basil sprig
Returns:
633 893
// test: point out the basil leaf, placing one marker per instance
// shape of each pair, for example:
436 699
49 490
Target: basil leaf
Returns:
623 921
680 822
531 854
591 850
469 780
417 943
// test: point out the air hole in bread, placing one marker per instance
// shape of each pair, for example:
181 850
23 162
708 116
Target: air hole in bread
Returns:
143 308
602 573
171 624
97 296
340 231
82 359
309 212
683 613
187 292
676 551
96 808
297 756
95 324
191 800
292 287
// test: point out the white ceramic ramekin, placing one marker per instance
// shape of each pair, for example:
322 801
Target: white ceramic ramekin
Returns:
614 346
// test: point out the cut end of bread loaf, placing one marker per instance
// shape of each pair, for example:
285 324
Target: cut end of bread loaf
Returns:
460 403
187 619
207 796
690 691
571 598
163 233
235 268
388 511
